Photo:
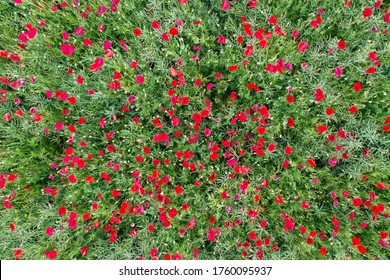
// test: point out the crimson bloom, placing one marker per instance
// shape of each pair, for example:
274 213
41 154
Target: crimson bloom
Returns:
18 253
225 5
67 49
84 251
137 32
341 45
367 12
51 254
139 80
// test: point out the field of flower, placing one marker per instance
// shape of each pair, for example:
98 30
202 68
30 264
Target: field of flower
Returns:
194 129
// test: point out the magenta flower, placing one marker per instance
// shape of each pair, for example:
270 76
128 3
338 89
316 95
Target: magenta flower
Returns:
139 80
302 46
67 49
333 161
222 40
225 5
338 71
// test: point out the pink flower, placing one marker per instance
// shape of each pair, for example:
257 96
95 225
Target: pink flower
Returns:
382 243
295 34
114 8
191 223
161 137
305 205
156 25
225 5
232 162
207 132
23 37
221 40
101 10
177 256
58 126
302 46
107 45
333 161
79 31
338 71
7 117
179 22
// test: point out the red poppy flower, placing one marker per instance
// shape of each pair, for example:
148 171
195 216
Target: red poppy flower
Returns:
357 86
285 164
386 17
341 45
290 122
165 37
271 147
367 12
361 249
322 128
311 162
72 178
288 150
352 109
18 253
381 185
137 32
319 94
89 180
115 193
84 251
156 25
371 70
329 111
279 199
355 241
173 31
272 19
309 240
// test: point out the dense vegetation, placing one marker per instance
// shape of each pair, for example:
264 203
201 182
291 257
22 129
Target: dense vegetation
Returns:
194 129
